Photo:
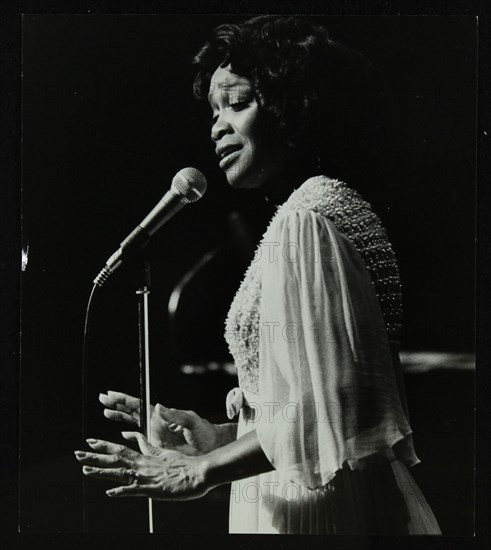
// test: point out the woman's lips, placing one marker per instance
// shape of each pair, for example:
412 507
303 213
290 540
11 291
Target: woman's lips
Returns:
229 158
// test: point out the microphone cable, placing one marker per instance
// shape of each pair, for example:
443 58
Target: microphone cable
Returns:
85 359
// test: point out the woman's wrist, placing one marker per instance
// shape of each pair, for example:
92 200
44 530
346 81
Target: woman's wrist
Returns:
238 459
201 478
204 472
226 433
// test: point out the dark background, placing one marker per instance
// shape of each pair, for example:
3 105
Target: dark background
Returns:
108 119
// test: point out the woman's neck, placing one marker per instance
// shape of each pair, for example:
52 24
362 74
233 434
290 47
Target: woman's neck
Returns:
277 190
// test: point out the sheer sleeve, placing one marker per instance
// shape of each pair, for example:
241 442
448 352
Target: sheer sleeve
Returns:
327 383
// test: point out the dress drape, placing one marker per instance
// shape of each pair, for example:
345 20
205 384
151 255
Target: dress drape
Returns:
321 386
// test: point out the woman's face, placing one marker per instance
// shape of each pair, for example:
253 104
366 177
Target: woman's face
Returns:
247 157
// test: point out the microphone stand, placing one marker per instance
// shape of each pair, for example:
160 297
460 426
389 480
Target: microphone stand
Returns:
142 294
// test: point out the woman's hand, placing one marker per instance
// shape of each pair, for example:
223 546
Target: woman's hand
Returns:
157 473
173 429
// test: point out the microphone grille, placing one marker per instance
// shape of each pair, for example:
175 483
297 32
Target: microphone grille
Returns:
190 184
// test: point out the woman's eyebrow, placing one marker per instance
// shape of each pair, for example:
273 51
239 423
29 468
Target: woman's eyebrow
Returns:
228 86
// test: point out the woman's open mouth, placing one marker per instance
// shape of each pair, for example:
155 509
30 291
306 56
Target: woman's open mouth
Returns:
229 158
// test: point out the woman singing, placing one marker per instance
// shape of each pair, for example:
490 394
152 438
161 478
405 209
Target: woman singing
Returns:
323 444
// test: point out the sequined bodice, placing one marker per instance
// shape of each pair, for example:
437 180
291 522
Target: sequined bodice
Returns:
351 216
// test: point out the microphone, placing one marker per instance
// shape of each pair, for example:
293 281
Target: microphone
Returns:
188 185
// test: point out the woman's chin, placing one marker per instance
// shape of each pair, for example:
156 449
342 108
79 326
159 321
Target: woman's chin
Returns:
239 181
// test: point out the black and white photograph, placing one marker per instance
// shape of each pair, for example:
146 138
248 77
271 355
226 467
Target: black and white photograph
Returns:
248 274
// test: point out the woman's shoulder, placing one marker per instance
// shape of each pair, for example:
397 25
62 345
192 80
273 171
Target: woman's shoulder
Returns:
318 200
334 200
324 195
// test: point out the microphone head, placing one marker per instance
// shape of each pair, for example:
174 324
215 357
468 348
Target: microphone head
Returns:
190 184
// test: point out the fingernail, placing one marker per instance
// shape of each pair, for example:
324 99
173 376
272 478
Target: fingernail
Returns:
110 492
87 469
79 453
91 441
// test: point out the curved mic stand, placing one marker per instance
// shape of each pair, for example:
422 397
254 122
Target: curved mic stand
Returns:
142 294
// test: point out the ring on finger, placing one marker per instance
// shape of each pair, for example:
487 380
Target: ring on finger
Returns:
132 476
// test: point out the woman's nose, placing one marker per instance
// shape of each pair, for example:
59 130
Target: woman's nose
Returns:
219 128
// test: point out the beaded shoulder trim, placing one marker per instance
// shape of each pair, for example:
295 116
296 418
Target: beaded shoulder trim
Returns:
354 217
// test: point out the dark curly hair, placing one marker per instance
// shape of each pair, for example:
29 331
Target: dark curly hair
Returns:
314 93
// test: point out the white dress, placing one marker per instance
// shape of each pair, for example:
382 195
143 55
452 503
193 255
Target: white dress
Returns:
312 335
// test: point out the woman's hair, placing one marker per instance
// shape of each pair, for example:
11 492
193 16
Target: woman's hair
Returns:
316 94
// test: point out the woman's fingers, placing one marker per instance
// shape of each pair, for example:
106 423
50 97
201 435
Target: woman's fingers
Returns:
119 400
145 447
167 477
121 416
176 428
95 459
126 476
106 447
121 407
176 417
140 439
133 490
124 398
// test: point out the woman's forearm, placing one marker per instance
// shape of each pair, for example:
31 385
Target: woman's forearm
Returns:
226 433
241 458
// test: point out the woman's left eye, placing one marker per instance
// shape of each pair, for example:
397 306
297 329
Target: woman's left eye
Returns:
238 105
